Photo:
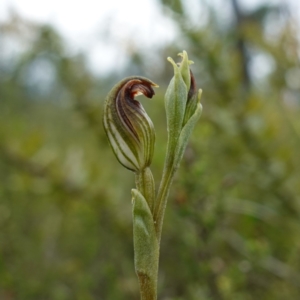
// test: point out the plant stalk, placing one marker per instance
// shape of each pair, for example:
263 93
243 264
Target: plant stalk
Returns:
148 287
145 184
146 249
162 199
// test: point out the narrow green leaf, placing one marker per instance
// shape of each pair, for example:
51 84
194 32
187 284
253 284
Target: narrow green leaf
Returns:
146 251
185 134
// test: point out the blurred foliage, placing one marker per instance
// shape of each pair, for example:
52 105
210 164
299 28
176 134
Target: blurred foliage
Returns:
232 224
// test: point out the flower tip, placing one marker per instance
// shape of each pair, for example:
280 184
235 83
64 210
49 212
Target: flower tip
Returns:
182 54
170 59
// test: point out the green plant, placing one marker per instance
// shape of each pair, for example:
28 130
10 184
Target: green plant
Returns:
131 134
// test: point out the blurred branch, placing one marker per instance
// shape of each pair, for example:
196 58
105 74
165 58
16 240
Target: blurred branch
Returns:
269 263
251 208
80 84
241 45
262 155
36 170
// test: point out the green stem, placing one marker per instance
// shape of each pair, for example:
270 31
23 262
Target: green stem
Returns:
145 184
148 287
146 248
162 199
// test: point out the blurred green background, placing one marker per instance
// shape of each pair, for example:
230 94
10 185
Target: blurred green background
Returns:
232 223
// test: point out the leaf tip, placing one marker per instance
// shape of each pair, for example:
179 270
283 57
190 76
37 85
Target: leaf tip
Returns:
133 195
199 95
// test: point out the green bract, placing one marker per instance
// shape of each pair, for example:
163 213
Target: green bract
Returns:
128 127
175 102
183 108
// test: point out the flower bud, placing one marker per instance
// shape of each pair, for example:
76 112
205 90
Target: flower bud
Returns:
129 129
183 109
193 98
